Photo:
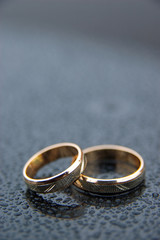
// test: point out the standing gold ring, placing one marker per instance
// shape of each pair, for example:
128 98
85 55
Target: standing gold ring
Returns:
115 154
47 155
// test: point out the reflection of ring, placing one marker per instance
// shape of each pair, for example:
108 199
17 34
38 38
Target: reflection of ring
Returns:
52 208
112 153
47 155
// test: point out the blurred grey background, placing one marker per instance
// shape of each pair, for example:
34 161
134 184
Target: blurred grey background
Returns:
86 72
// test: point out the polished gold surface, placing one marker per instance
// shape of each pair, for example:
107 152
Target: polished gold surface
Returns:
47 155
118 155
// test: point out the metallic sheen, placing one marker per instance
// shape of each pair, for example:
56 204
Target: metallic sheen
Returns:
47 155
116 185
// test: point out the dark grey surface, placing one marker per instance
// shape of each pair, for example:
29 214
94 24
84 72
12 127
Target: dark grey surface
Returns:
87 73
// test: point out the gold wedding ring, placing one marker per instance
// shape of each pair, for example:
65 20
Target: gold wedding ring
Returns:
47 155
112 154
116 155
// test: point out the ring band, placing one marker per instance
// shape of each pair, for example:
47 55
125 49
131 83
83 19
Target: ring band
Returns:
47 155
115 154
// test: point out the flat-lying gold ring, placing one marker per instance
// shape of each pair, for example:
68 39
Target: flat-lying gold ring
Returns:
47 155
115 185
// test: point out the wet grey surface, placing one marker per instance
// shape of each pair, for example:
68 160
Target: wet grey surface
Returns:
84 83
